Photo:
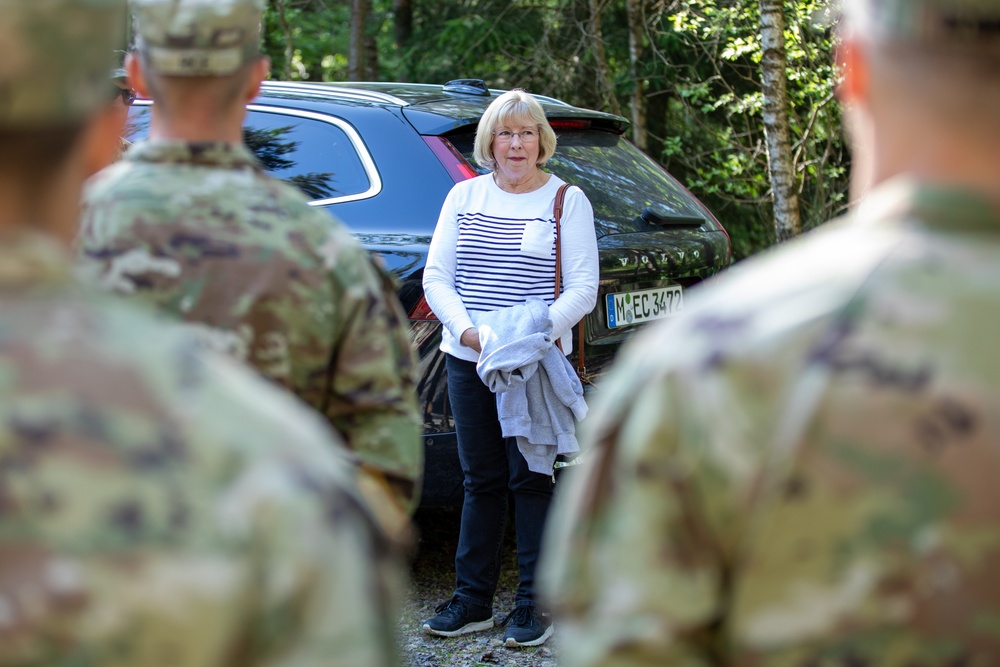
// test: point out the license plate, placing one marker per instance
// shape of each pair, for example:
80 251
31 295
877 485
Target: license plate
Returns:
627 308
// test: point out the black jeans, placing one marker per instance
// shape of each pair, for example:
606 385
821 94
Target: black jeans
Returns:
492 464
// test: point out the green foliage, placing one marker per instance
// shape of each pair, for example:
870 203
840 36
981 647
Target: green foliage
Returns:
486 40
318 34
699 71
712 132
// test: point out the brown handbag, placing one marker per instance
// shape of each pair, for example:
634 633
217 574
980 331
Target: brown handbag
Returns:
557 208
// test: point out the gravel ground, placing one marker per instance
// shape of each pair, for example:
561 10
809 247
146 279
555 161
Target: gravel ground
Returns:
433 581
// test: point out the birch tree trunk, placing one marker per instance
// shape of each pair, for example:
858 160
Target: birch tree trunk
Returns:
356 69
640 134
787 219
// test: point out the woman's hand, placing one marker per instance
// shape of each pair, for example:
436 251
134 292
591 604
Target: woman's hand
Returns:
470 338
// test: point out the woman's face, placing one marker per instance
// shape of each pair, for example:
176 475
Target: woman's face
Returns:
516 155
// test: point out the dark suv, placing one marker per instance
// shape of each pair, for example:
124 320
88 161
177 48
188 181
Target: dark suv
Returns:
382 156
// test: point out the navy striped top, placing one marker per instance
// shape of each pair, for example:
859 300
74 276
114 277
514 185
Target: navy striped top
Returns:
492 272
492 249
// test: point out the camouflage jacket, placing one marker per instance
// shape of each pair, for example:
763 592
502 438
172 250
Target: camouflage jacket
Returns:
199 231
803 470
161 505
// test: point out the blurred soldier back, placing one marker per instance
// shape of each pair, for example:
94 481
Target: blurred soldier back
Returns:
158 504
189 223
802 471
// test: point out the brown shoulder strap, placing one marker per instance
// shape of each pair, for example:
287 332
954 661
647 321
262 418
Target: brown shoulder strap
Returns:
557 209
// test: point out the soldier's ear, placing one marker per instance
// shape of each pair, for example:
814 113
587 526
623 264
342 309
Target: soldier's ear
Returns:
136 76
854 92
852 71
259 71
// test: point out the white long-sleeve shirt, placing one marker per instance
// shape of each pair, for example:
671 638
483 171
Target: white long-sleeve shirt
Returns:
492 249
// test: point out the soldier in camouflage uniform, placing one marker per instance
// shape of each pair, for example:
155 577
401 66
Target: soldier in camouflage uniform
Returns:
189 223
803 470
159 505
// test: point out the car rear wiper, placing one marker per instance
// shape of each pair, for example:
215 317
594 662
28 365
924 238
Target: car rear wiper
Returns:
666 218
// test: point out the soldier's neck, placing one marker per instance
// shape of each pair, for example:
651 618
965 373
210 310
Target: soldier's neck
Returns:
953 157
196 126
53 210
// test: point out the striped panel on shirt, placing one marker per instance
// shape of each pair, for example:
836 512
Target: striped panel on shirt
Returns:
492 272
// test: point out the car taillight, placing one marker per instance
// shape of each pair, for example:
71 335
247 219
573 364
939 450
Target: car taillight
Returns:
454 163
563 124
421 311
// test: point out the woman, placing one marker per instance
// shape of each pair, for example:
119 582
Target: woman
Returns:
493 248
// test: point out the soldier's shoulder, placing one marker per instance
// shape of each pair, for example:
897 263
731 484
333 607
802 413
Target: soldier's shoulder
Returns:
138 367
772 295
265 198
761 319
125 437
130 185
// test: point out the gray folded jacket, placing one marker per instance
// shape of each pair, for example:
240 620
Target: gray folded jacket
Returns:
539 396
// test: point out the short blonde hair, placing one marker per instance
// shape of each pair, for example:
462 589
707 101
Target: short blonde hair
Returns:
518 106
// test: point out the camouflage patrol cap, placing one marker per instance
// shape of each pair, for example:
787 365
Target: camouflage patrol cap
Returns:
54 58
198 37
954 22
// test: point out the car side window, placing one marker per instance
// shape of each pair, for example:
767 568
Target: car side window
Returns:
321 155
314 155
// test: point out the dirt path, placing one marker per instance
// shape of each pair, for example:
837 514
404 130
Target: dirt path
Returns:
432 582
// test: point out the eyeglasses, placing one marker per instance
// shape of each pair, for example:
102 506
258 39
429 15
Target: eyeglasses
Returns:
506 136
127 94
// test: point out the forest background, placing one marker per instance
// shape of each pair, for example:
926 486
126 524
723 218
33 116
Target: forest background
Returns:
734 97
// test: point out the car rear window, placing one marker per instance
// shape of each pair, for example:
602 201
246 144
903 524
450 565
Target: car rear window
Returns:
620 180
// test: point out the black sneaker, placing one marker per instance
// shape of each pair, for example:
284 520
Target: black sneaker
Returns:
526 626
455 617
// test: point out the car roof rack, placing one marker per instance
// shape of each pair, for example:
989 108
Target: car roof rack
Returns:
320 89
479 88
361 93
